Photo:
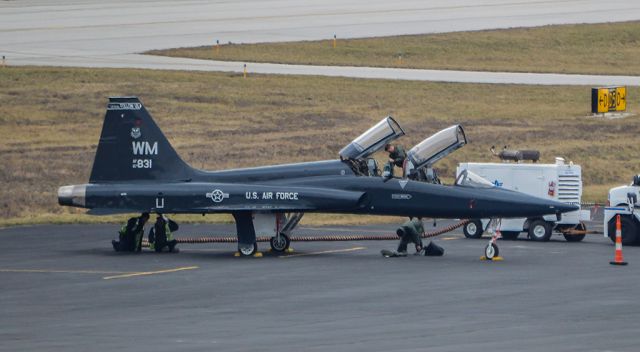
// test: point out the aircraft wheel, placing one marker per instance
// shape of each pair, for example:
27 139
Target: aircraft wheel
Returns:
491 251
510 235
280 245
473 229
540 231
248 250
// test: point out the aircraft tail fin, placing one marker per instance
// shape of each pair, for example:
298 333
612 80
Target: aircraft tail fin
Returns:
133 148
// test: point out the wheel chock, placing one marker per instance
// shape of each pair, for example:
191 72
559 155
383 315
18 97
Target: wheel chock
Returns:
236 254
289 250
258 255
495 259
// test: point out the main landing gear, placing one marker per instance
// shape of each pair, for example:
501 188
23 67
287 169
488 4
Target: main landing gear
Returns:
247 250
280 243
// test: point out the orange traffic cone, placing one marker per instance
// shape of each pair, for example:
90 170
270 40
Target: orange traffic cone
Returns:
618 259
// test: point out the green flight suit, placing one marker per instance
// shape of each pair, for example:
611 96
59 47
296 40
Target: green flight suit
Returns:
398 155
410 232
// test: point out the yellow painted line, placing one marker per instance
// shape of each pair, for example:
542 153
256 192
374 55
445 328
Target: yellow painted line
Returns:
449 238
323 252
145 273
53 271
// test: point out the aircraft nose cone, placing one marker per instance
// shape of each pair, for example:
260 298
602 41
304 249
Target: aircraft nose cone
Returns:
541 206
511 204
564 207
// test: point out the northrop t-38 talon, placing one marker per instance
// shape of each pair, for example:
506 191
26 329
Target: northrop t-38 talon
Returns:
137 170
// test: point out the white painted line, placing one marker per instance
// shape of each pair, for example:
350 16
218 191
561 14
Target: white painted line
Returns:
145 273
323 252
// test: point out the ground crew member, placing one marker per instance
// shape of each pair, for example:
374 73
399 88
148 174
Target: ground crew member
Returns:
130 235
160 237
410 232
397 155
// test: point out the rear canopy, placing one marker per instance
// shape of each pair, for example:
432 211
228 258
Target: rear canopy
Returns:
436 147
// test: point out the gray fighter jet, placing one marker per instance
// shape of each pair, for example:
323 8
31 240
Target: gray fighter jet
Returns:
137 170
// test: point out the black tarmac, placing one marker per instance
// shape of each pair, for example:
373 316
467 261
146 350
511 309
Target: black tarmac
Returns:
63 288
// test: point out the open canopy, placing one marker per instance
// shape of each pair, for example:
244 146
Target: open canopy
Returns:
373 139
437 146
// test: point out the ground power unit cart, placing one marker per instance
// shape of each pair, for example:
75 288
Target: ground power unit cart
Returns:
560 181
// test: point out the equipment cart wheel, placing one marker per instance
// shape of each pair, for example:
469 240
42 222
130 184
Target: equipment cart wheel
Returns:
491 251
510 235
539 230
280 243
473 229
577 238
248 250
629 230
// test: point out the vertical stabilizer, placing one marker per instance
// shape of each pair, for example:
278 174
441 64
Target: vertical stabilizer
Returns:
133 148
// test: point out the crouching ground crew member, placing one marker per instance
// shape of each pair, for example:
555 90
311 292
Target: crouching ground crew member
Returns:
160 235
396 156
130 235
411 232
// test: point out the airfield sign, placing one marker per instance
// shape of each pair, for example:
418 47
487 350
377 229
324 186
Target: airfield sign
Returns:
608 99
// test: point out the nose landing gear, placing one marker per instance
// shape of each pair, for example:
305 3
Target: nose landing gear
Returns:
491 251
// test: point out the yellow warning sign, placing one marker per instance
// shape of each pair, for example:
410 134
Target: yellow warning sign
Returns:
608 99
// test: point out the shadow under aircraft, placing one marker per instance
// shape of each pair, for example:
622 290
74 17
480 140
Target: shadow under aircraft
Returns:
137 170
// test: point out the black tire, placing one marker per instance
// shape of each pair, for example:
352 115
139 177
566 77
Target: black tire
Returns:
491 251
539 230
510 235
629 230
473 229
280 246
577 238
248 251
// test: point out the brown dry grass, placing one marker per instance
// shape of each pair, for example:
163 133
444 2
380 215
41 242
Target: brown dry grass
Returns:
610 48
50 120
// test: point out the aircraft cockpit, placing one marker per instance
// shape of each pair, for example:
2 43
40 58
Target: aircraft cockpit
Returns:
420 158
470 179
357 153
